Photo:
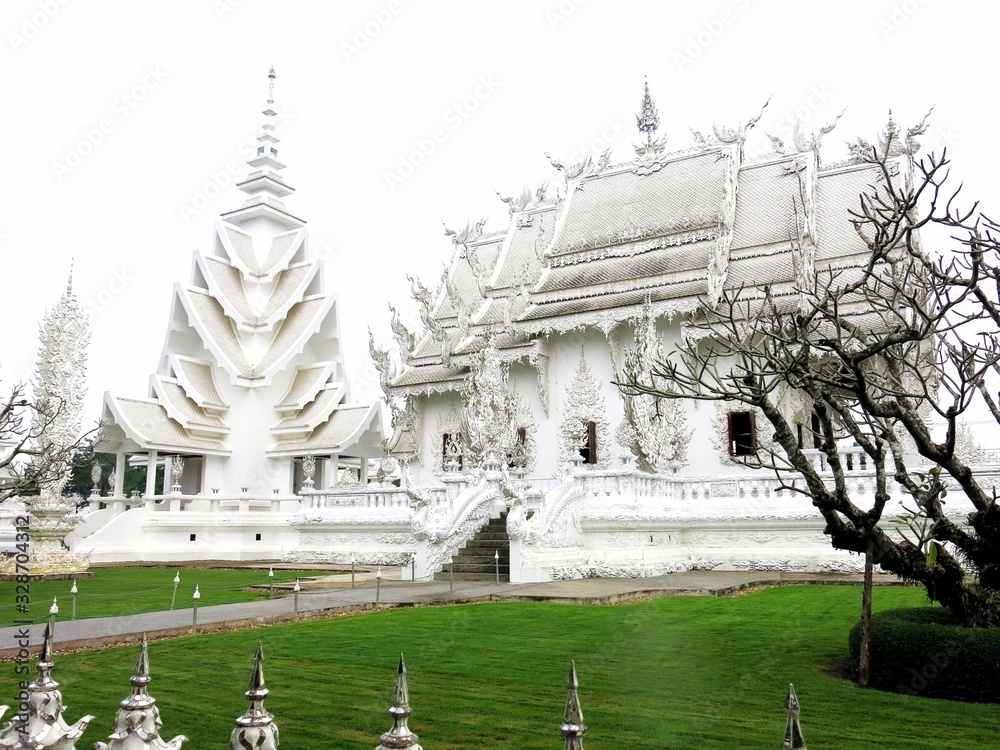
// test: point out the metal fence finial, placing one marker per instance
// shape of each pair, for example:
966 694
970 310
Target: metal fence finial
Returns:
255 728
45 711
793 730
573 727
137 723
400 735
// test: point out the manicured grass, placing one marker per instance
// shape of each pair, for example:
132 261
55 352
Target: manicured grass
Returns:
681 672
129 591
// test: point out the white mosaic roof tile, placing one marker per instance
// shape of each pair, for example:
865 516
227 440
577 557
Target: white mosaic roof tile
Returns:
221 330
287 283
764 212
336 433
307 382
429 374
279 247
228 281
243 247
301 317
199 377
686 193
187 410
315 411
155 429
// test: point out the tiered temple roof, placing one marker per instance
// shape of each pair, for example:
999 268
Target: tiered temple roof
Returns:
673 231
254 314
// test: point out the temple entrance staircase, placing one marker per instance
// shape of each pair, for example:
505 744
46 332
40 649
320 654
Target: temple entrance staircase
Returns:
475 561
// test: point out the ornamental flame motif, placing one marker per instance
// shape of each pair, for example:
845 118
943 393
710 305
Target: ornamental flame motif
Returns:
659 435
60 386
493 413
583 403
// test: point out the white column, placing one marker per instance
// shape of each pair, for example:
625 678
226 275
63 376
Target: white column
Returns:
168 474
151 474
120 474
364 470
334 473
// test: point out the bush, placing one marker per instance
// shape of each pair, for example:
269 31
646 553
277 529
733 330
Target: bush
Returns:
924 651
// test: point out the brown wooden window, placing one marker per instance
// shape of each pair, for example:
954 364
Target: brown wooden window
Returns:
742 433
589 449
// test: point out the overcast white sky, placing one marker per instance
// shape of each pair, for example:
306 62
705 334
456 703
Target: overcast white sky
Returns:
123 118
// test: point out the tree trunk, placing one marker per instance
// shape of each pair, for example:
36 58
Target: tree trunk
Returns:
866 619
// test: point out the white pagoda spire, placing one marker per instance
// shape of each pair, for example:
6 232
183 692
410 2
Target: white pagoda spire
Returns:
265 185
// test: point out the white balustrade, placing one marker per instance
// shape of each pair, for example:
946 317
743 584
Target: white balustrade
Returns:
367 496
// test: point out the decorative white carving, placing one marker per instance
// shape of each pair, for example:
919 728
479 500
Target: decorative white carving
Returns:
347 478
525 201
176 472
605 320
770 564
718 266
490 413
584 403
60 387
803 142
448 424
309 471
404 339
846 565
659 432
703 563
387 467
557 522
470 233
540 361
445 531
966 446
586 167
601 569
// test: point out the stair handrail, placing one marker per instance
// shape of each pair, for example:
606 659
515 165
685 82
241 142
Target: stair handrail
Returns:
556 503
446 527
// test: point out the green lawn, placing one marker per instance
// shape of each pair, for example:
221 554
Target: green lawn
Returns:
128 591
681 672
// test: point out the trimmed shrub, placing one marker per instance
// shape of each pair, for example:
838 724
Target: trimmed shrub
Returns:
924 651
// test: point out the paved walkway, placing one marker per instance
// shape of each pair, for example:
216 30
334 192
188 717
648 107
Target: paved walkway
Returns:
109 631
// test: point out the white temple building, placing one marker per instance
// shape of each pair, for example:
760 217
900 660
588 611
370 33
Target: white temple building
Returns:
249 401
512 451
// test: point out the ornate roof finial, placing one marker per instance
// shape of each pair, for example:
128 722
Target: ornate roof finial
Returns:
270 85
138 716
793 730
256 727
647 119
400 735
573 727
69 281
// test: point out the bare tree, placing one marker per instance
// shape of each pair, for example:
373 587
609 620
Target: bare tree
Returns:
25 462
886 356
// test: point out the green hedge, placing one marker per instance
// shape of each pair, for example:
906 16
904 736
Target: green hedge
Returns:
923 651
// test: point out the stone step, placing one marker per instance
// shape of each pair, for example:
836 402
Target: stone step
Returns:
497 531
504 577
474 570
480 560
494 544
